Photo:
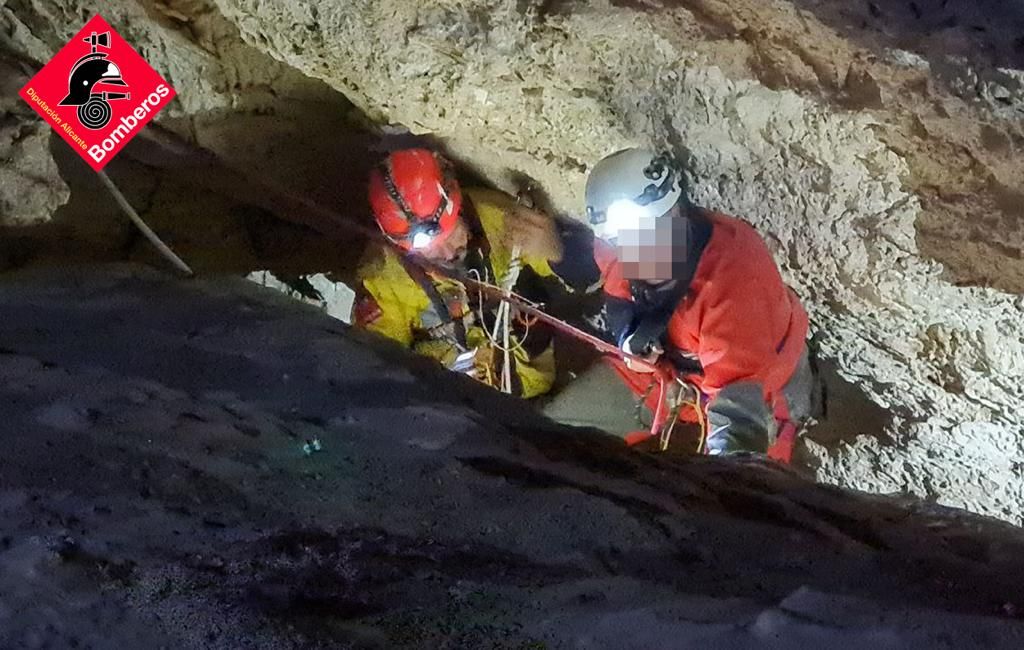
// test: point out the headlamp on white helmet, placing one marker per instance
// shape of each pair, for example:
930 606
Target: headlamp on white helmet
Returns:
629 187
624 214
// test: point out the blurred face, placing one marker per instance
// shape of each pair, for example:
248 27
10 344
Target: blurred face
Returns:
450 249
655 248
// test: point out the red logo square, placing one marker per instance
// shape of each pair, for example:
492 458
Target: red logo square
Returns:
97 93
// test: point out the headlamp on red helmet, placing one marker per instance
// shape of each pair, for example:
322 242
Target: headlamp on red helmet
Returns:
404 188
423 234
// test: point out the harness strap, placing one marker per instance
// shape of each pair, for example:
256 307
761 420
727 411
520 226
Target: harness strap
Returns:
425 282
478 237
421 278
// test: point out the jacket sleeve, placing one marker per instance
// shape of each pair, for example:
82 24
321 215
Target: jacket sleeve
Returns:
383 308
380 310
386 302
734 344
578 269
733 350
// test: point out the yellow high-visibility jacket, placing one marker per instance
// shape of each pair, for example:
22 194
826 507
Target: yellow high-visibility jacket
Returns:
400 309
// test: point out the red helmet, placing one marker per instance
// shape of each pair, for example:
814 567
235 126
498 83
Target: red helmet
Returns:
415 198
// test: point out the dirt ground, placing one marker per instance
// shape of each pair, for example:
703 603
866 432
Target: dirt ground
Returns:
210 464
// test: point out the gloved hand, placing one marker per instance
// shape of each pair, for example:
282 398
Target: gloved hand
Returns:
643 347
534 232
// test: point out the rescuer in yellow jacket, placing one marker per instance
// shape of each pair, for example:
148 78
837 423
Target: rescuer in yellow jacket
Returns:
484 233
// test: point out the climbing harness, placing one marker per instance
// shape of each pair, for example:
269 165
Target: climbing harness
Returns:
686 396
663 376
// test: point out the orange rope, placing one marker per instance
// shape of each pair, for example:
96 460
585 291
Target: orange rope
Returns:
526 320
702 421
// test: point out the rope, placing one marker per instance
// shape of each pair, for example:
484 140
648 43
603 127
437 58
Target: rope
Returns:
500 337
164 249
702 421
665 435
515 265
506 367
676 408
493 336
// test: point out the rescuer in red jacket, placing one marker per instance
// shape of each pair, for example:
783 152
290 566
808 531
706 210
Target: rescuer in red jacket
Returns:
699 290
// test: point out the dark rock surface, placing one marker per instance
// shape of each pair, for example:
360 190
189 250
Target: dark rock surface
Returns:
155 491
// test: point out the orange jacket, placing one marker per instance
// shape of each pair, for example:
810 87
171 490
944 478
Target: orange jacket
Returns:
738 318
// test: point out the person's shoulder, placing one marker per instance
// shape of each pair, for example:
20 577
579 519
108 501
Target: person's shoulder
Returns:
380 263
483 197
736 249
492 208
729 223
734 233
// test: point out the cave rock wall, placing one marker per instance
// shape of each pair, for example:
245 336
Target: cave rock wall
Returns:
548 90
838 150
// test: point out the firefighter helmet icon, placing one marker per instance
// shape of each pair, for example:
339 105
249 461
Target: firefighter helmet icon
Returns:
92 70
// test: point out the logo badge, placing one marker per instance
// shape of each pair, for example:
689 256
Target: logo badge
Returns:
97 93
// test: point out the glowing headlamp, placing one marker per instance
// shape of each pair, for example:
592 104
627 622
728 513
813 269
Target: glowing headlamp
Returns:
421 240
623 215
422 230
422 234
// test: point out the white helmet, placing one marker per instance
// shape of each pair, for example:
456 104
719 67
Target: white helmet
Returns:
628 186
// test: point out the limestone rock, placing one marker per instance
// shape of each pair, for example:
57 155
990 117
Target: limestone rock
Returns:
839 195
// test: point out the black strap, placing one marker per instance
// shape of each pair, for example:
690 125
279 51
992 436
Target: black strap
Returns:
654 305
479 242
478 238
578 268
389 185
421 278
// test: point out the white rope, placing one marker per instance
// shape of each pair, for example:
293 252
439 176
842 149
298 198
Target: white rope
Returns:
494 335
506 368
515 265
164 249
501 338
